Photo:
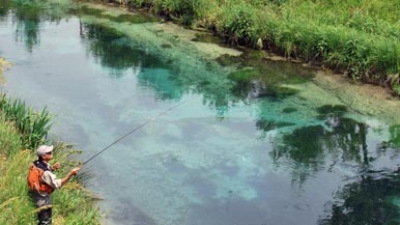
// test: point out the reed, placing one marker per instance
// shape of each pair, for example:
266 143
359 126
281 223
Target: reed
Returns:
32 126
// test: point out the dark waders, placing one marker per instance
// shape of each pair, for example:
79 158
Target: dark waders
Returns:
43 204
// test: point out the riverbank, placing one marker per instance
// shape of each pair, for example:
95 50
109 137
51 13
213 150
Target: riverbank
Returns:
367 99
355 38
21 131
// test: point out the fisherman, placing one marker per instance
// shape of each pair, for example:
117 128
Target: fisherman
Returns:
42 182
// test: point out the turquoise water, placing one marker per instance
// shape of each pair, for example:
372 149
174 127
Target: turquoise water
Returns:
247 143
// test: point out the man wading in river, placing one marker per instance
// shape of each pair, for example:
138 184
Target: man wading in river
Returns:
42 182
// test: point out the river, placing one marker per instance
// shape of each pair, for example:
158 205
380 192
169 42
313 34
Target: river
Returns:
228 139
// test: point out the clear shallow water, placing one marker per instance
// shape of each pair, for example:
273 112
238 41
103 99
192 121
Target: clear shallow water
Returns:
222 157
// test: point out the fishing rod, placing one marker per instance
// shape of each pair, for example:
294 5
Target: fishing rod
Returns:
132 131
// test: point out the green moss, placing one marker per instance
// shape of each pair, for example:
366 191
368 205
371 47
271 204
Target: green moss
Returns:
244 75
228 60
280 92
327 109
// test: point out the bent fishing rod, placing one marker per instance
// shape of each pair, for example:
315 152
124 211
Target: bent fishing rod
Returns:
132 131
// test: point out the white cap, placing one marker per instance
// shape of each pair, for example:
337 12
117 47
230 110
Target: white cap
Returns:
44 149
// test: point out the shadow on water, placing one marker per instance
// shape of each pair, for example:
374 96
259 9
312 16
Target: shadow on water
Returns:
374 199
29 15
115 51
308 147
118 53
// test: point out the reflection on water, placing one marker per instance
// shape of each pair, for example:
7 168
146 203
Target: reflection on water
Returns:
115 51
361 203
255 142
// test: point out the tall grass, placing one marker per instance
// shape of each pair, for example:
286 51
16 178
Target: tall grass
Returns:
71 205
32 126
357 37
22 128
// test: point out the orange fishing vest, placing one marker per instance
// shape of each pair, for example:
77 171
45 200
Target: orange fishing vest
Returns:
34 178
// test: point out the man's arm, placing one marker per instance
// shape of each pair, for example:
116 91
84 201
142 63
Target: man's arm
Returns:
71 173
50 178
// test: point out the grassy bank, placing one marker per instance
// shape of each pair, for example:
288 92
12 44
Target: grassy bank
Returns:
359 38
21 131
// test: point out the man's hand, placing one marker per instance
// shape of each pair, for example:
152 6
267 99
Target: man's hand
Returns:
75 170
56 166
71 173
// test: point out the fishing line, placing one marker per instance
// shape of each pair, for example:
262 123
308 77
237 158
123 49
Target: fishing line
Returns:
132 131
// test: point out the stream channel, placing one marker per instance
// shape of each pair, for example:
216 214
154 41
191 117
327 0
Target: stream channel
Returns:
249 141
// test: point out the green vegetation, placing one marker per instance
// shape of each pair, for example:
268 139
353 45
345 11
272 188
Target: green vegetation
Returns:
21 128
32 126
359 38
